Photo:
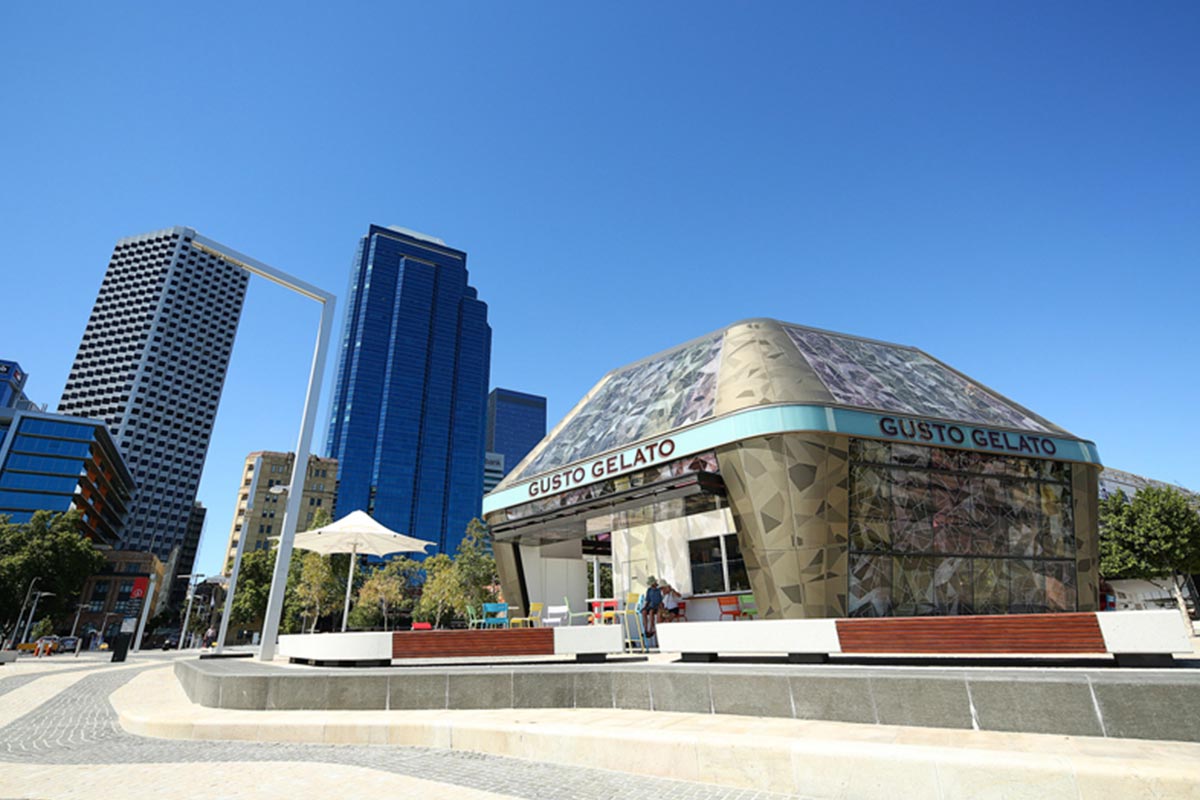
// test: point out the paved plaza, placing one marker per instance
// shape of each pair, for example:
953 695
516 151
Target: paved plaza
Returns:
60 738
84 727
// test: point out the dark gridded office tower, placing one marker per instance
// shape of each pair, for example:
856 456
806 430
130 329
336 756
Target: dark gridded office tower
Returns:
151 365
516 422
407 420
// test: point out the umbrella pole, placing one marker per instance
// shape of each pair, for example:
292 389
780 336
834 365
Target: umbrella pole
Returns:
349 583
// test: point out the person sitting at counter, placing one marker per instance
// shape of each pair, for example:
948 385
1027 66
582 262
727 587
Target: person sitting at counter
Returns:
670 609
651 604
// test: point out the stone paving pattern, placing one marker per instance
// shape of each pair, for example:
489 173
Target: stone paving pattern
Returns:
78 726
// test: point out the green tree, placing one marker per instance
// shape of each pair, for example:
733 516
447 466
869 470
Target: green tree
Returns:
43 627
317 589
253 587
1154 535
476 567
451 584
320 519
386 592
48 547
293 610
442 591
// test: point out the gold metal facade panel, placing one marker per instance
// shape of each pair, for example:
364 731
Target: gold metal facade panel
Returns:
510 578
1085 493
789 501
760 365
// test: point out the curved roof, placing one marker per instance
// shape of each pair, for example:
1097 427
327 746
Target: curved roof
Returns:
759 362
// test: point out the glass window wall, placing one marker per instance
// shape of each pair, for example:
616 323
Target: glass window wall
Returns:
937 531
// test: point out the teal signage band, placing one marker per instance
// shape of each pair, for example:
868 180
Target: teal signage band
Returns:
768 420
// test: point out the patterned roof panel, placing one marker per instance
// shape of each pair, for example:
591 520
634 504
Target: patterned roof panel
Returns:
899 379
662 393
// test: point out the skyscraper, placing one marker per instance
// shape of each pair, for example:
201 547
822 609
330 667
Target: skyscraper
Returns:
493 470
516 422
12 386
151 365
407 419
186 555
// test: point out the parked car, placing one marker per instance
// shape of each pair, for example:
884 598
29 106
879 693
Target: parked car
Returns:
68 644
49 644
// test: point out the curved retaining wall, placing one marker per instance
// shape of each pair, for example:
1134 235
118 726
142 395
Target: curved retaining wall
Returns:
1139 704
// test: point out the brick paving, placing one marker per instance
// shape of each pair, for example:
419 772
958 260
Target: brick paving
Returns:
79 726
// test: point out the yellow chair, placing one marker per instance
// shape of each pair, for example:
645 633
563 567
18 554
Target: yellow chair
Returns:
632 611
534 620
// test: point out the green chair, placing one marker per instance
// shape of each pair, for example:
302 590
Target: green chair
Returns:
473 620
747 606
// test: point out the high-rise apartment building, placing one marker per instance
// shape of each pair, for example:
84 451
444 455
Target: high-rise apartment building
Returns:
516 422
151 365
407 419
54 462
259 512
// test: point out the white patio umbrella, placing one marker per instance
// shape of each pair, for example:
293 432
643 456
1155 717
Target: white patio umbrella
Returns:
357 534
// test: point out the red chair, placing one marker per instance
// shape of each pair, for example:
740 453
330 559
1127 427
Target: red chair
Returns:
729 607
604 612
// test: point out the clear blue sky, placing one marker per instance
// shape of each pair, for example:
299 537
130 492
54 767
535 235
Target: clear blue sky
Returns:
1012 187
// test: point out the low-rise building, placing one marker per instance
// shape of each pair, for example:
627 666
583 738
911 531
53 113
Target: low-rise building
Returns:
259 513
119 591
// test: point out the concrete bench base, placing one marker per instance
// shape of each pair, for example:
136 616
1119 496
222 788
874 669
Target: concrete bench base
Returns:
1134 638
590 643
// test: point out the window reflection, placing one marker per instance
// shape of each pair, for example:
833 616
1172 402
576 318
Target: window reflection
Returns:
958 532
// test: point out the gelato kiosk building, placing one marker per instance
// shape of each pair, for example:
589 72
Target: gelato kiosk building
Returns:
827 474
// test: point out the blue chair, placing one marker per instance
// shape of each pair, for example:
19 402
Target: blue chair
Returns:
495 615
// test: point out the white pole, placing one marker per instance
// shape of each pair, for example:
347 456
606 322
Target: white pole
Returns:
229 590
291 514
32 614
188 616
137 640
349 583
13 640
75 624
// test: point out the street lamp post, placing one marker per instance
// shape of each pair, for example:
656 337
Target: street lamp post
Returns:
78 611
191 597
283 556
12 641
104 624
33 612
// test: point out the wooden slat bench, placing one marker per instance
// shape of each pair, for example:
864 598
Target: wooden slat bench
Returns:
1133 637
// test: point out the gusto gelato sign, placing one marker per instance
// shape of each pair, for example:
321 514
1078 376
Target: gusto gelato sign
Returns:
919 430
644 456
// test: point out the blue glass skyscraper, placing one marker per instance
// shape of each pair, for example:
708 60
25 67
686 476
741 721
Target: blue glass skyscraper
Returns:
409 403
516 422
